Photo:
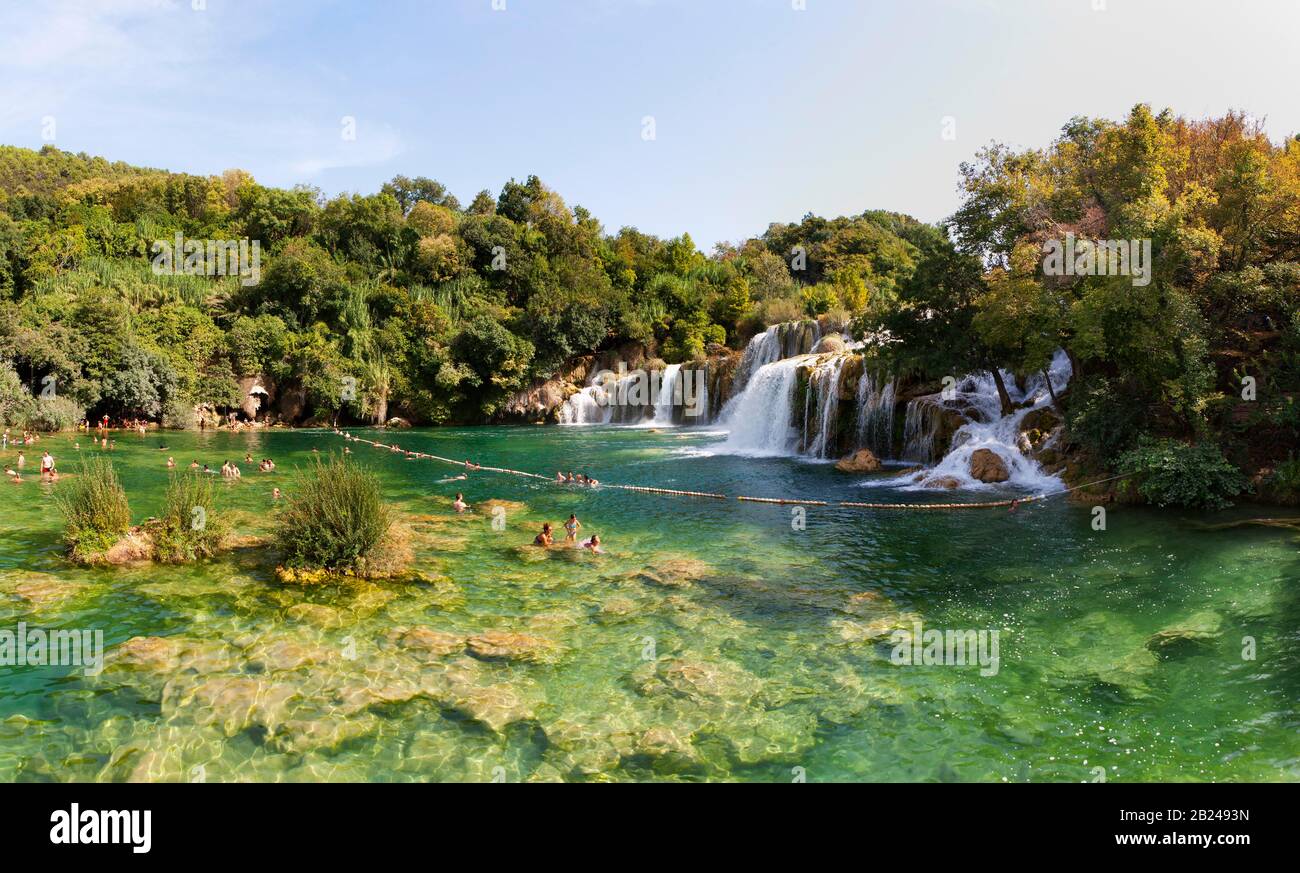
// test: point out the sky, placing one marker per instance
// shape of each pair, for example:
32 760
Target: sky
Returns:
713 117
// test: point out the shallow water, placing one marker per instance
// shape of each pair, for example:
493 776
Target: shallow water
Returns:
768 661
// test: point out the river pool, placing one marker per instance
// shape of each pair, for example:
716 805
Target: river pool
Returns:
713 641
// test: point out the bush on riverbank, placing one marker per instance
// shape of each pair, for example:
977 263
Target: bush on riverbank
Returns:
1173 473
95 509
336 521
190 527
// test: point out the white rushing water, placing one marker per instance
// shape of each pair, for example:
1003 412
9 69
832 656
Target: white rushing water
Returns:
759 421
875 425
665 402
822 407
993 431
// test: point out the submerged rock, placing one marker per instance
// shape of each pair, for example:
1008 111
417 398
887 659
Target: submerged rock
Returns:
494 706
698 681
509 646
231 703
426 641
672 571
317 614
1188 636
326 733
39 589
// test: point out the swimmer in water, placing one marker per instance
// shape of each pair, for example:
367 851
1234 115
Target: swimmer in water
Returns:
544 538
275 493
459 503
170 463
593 545
571 528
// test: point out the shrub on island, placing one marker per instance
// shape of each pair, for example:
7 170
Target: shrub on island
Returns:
336 524
189 529
95 510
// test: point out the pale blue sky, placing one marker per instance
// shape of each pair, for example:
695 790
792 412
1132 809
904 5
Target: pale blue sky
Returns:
762 111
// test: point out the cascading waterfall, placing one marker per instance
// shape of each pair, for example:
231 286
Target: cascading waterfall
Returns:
985 428
668 384
875 424
824 391
920 428
759 420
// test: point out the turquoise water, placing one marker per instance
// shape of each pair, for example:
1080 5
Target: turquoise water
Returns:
713 641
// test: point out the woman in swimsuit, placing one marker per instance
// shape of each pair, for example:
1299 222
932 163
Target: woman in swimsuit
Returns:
571 528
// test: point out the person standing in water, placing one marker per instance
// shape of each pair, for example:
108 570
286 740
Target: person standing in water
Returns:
571 528
459 504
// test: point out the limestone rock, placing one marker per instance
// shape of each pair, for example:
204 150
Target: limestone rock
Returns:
1187 636
987 466
426 641
861 461
508 646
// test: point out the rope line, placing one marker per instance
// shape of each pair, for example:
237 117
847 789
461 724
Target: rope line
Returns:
784 501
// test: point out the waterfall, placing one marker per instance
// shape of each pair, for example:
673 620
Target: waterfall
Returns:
585 407
984 428
824 385
665 403
875 424
785 340
760 418
920 427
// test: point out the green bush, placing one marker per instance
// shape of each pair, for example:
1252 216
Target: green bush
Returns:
16 403
94 506
1170 472
1100 418
190 527
56 413
1284 484
335 519
178 413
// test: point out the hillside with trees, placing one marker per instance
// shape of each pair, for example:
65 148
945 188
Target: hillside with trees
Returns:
439 310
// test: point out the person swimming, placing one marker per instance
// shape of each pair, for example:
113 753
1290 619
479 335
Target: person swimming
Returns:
592 544
571 528
544 538
275 493
559 477
194 465
170 463
459 503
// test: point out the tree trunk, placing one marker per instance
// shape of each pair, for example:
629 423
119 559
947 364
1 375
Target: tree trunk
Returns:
1056 404
1002 391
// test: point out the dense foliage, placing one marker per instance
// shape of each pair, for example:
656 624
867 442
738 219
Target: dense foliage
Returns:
1168 472
335 519
1207 351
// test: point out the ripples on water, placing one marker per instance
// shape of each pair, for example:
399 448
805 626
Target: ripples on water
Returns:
744 654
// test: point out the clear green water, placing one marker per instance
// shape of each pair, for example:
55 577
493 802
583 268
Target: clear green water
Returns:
759 664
